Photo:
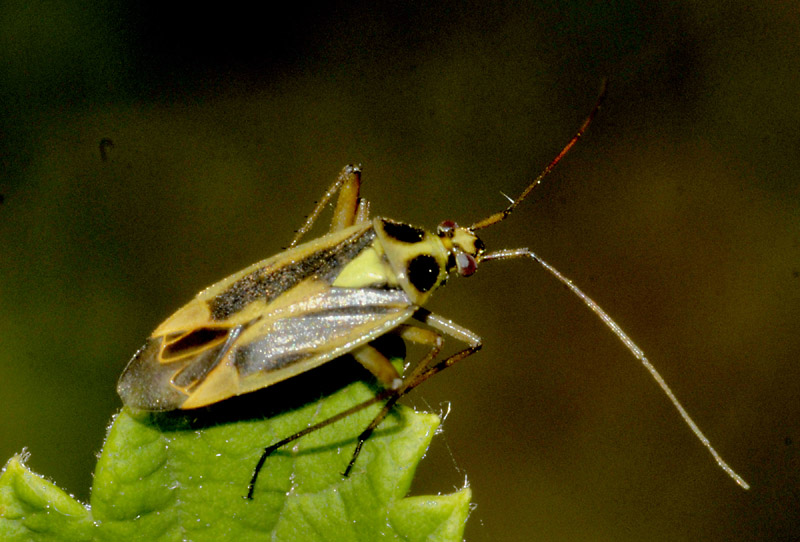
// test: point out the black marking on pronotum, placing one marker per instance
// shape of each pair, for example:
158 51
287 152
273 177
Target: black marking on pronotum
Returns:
423 272
267 283
404 233
451 262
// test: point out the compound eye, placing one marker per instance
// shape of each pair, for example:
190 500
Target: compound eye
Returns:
446 228
466 264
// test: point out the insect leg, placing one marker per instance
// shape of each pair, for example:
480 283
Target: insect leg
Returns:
381 368
629 344
423 371
414 334
348 184
362 214
310 429
411 333
347 205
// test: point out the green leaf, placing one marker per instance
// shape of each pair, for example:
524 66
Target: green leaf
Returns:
32 508
184 476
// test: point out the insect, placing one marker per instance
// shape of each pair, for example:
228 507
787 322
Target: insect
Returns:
328 297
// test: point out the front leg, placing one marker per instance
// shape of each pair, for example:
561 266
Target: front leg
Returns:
425 369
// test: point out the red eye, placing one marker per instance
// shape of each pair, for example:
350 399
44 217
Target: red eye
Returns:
466 264
446 228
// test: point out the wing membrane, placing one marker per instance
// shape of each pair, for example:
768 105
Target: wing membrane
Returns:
327 325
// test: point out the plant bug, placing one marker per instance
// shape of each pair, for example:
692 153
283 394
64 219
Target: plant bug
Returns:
332 296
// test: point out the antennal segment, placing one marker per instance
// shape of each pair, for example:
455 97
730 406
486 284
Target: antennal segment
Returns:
635 350
502 215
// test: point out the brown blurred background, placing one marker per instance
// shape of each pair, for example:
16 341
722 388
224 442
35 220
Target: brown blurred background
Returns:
679 212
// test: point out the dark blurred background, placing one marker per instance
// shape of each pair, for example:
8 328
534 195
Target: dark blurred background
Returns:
678 212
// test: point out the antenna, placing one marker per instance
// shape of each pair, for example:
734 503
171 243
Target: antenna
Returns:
502 215
629 344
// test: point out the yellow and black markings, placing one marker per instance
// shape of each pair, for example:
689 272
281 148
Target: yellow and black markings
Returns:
325 298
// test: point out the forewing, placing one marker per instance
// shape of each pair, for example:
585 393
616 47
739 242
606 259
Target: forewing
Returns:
320 328
328 325
268 322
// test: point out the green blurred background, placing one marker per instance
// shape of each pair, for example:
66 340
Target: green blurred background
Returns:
678 212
